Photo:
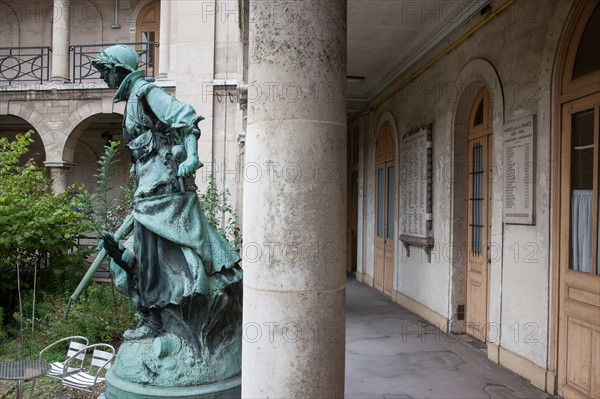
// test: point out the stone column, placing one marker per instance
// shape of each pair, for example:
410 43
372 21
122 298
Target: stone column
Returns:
59 173
164 50
295 201
60 41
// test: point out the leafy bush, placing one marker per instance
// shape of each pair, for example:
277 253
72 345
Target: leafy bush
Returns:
101 315
34 223
220 214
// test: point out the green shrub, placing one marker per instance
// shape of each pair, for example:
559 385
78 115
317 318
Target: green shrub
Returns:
34 223
220 214
101 314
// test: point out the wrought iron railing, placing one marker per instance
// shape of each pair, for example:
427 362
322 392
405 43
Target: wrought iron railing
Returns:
24 64
84 54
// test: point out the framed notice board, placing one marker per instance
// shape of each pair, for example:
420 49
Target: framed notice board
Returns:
416 182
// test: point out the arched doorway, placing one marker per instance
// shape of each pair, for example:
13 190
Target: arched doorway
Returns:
575 218
11 125
148 30
91 135
479 142
383 271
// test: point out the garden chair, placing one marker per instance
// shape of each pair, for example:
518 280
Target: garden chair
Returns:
76 343
89 378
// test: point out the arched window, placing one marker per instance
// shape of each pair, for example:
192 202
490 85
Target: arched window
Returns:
148 31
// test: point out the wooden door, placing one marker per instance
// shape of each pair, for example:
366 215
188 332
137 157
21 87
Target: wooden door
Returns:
353 222
384 212
478 216
579 303
353 150
576 226
148 31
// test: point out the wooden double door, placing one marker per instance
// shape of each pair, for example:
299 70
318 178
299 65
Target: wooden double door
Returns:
385 178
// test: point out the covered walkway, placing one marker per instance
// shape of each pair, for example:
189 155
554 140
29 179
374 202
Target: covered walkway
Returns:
393 353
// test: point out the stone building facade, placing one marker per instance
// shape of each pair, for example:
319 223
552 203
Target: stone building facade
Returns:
57 93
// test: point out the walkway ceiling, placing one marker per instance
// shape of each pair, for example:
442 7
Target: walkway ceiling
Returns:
387 37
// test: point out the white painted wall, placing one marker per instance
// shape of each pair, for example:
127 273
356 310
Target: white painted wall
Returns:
514 55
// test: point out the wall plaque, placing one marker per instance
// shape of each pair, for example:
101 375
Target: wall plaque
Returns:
416 180
519 171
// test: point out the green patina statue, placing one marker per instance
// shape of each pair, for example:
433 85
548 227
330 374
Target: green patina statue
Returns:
181 275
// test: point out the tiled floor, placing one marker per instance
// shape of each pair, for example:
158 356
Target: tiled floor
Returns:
393 353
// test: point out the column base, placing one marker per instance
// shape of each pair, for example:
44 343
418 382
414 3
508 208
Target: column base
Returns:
118 388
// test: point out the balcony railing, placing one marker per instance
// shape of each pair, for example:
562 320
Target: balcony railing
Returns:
84 54
32 64
24 64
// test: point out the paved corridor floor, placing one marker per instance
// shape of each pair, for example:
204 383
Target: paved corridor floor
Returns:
393 353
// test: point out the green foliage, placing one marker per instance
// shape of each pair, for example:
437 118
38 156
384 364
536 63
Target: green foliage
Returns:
34 223
2 329
220 214
101 315
108 206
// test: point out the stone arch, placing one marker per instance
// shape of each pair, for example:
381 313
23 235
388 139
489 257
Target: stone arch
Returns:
387 116
11 126
31 116
476 74
85 145
73 127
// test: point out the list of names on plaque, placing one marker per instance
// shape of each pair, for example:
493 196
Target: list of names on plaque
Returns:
519 168
416 153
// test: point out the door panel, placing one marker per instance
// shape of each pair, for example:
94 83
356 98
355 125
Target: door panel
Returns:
579 299
378 274
388 286
478 234
384 224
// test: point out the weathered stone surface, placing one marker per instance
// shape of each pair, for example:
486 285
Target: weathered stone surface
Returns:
294 201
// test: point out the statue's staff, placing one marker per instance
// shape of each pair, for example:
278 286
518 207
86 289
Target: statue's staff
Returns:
122 231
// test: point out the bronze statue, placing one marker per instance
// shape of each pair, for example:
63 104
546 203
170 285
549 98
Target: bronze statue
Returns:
181 275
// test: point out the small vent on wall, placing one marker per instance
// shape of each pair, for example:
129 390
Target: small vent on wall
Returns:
460 312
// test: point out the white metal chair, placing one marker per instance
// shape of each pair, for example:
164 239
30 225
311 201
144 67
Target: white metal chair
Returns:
76 343
89 379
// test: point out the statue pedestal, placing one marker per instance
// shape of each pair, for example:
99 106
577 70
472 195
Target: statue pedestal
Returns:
166 367
118 388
